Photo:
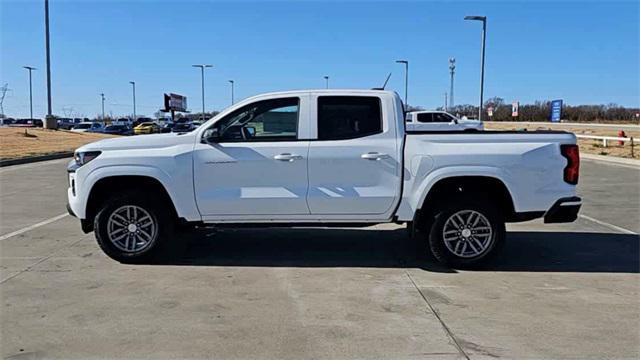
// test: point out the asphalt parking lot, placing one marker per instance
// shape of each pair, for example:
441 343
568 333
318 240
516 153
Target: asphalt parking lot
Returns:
559 291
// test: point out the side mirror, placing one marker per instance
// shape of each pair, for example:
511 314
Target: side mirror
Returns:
211 135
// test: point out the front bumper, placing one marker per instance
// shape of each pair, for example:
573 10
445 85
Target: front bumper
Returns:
70 211
563 211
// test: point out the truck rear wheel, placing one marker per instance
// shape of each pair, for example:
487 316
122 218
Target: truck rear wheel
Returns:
133 228
466 233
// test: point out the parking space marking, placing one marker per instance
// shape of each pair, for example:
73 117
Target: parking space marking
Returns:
39 262
34 226
437 315
606 224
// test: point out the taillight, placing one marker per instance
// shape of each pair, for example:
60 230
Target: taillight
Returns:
572 170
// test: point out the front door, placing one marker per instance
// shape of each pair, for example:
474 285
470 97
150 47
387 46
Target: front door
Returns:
257 165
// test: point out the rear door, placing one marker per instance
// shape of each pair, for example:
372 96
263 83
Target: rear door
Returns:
354 165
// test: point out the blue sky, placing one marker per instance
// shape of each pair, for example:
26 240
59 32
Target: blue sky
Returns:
582 52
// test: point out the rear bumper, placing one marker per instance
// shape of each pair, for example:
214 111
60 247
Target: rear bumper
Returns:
564 210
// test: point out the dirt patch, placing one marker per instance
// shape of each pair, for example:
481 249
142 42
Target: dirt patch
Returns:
16 143
586 145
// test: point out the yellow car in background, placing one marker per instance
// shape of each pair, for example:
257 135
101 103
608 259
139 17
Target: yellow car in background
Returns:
146 128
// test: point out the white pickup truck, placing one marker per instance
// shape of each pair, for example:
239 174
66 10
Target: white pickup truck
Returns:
433 120
323 158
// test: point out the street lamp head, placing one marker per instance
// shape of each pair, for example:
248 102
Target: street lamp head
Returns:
202 66
326 77
231 81
475 17
402 61
29 68
132 82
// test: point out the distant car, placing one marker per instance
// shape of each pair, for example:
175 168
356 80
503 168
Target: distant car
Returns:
167 127
183 125
196 124
139 121
7 121
87 126
118 130
122 121
440 121
27 123
146 128
66 123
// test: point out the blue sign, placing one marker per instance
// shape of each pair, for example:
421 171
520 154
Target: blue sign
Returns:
556 110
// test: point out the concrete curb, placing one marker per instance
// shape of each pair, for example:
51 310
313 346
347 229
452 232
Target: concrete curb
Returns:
32 159
612 159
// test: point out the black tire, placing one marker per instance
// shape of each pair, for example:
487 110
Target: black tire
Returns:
158 212
446 255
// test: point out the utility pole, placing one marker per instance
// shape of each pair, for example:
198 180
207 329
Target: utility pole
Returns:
202 66
30 68
231 82
133 83
102 96
326 80
50 122
445 101
3 90
452 68
484 36
406 81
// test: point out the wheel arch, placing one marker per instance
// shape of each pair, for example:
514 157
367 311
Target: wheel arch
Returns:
447 187
104 188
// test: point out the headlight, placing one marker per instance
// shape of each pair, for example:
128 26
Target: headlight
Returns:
82 158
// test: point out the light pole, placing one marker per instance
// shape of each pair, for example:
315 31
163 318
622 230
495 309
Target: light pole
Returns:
202 66
326 80
484 35
133 83
231 82
452 68
49 121
102 96
406 80
30 68
445 101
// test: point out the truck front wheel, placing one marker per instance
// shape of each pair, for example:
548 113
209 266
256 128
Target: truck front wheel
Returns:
466 233
133 228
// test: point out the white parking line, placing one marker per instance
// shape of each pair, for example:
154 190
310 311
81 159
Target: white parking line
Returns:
34 226
606 224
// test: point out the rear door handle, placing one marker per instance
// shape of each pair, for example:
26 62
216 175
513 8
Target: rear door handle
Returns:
374 156
287 157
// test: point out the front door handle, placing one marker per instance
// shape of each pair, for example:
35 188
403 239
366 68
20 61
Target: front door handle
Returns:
287 157
374 156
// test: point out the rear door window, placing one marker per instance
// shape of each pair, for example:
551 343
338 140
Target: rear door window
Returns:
348 117
425 118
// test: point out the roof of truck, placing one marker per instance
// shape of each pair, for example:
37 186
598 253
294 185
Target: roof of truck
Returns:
329 92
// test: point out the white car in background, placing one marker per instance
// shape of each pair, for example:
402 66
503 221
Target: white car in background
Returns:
440 121
87 126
